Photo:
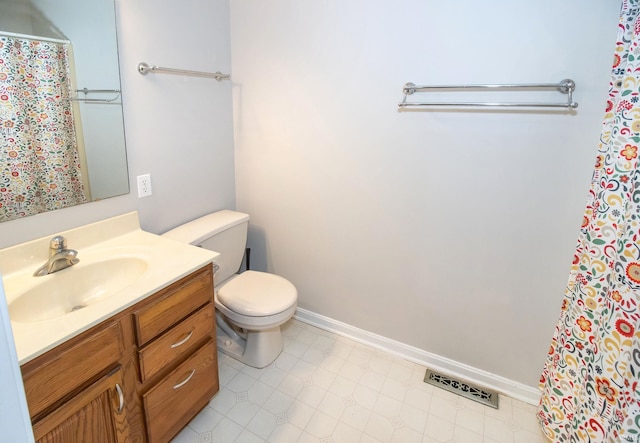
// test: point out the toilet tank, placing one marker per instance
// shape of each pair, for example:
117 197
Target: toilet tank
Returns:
224 232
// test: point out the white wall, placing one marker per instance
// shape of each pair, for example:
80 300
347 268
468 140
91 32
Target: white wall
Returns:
178 128
451 231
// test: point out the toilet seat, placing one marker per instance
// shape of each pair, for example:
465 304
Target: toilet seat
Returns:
257 294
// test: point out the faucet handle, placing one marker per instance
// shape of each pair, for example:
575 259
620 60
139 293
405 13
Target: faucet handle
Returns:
58 242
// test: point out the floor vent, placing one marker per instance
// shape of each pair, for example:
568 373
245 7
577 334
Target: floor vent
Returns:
481 395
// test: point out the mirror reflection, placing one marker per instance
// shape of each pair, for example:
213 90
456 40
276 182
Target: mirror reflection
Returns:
61 125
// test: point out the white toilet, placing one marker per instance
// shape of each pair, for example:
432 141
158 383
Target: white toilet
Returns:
250 306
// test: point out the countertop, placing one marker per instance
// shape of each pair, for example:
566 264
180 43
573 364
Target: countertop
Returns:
167 261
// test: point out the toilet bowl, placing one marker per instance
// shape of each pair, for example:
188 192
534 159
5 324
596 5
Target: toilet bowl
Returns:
254 305
250 306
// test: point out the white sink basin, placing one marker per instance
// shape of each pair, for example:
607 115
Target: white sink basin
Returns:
74 288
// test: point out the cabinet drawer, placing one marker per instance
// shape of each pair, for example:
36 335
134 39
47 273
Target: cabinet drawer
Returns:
91 354
180 299
174 401
176 342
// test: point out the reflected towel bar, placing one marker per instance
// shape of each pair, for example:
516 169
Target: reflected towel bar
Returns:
86 91
566 86
144 69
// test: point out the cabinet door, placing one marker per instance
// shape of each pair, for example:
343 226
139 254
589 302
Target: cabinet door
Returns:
96 414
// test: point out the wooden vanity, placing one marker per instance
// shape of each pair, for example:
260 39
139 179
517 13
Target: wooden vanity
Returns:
139 376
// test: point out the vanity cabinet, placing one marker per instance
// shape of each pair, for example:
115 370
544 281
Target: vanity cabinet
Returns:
175 336
139 376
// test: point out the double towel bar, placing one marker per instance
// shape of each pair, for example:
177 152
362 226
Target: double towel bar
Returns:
566 86
145 68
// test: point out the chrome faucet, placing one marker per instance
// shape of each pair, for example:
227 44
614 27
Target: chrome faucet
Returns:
59 257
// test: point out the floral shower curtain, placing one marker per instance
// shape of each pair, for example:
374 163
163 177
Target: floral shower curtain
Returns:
591 380
40 167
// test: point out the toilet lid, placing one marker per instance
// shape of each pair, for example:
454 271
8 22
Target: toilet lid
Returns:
258 294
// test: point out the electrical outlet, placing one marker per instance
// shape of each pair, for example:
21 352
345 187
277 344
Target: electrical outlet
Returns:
144 185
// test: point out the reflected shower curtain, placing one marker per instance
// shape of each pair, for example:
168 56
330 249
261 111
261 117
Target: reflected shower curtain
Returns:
40 167
591 380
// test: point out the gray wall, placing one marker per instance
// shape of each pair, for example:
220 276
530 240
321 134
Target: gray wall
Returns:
451 231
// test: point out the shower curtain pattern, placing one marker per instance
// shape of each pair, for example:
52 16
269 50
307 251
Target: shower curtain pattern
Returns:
591 380
40 167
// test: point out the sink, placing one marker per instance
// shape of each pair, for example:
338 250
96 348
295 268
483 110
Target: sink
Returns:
72 289
120 265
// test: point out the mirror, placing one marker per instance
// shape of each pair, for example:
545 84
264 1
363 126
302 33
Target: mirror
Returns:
57 148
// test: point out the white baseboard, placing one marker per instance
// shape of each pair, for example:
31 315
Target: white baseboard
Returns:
435 362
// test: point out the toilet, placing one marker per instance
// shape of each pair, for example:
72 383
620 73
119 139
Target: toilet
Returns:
250 306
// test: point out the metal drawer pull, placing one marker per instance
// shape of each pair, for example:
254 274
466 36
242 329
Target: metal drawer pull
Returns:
186 380
120 397
183 341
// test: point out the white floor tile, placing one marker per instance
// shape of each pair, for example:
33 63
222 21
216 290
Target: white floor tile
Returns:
273 376
406 435
387 407
332 405
394 388
439 429
311 396
471 420
325 388
291 385
278 402
356 416
413 418
187 435
226 430
418 398
243 412
248 437
286 361
285 432
344 433
321 425
259 393
373 380
443 408
262 424
464 435
299 414
365 397
323 378
342 386
240 383
351 371
206 420
223 401
379 427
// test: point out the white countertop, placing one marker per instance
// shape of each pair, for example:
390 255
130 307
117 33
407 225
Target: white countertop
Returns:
167 261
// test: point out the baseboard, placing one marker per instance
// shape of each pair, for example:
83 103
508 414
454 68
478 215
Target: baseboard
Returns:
436 362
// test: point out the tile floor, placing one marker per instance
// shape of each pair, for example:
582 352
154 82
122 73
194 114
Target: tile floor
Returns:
325 388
